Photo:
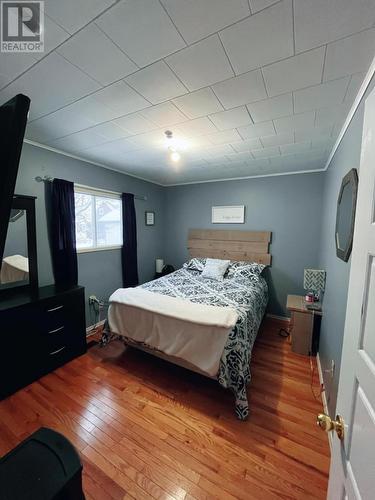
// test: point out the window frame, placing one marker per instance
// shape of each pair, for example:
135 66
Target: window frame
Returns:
100 193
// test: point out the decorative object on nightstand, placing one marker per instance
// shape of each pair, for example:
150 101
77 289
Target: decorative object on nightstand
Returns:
149 218
314 282
305 325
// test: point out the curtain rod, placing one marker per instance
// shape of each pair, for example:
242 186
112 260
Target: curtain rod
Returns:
48 178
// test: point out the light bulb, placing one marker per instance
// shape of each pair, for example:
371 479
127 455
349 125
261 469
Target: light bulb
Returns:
175 156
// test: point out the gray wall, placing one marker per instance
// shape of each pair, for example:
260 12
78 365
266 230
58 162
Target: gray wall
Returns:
346 157
289 206
99 272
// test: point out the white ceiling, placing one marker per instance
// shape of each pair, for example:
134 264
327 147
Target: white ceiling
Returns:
249 87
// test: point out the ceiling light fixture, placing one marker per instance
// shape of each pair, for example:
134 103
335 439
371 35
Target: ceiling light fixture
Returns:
174 154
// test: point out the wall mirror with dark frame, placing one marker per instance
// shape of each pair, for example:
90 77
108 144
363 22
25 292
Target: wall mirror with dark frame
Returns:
345 215
19 265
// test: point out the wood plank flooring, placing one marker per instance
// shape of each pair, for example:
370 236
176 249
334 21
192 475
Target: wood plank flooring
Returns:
147 429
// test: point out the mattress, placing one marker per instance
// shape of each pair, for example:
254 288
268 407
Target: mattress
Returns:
248 296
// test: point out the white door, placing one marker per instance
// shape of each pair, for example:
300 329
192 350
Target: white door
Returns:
352 473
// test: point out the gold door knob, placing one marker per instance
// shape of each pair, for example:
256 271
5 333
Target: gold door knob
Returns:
327 424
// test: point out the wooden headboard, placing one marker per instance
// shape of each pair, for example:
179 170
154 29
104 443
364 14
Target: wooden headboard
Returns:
249 246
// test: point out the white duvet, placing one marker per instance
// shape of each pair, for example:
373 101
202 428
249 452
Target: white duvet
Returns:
196 333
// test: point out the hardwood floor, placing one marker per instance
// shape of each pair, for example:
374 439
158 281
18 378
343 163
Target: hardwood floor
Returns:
147 429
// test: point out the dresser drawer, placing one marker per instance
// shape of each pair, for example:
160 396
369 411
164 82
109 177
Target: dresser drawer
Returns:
39 333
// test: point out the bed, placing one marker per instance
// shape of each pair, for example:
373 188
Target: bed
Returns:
223 352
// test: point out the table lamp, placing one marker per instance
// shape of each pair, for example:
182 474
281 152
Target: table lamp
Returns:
314 282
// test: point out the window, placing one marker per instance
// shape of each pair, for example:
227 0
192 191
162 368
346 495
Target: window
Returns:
98 219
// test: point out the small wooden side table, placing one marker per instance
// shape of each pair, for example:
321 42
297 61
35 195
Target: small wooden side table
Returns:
305 325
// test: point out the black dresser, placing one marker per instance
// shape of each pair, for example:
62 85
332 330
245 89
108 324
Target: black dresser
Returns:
38 333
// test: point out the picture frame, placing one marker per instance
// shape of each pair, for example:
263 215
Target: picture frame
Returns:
149 218
228 214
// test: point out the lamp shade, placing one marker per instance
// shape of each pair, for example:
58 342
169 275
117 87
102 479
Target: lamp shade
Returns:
314 280
159 264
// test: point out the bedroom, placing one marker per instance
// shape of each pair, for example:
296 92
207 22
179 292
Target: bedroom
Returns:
185 251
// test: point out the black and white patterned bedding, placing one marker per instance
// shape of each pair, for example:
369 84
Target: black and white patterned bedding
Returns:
249 296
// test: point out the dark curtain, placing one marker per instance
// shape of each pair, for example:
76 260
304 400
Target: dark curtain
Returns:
63 235
129 248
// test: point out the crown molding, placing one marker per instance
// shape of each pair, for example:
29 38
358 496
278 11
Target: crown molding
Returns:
353 109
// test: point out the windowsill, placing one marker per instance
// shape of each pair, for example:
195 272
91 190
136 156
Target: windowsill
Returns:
98 249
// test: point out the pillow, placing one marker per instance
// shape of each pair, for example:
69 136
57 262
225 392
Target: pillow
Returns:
215 269
245 269
196 264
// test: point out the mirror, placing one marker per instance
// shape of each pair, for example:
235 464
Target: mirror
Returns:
18 267
15 267
345 216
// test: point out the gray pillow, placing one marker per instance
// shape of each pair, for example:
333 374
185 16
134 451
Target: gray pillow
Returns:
215 269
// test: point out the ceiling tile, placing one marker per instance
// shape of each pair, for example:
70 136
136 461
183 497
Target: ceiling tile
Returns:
157 83
350 55
320 96
59 124
120 98
164 114
200 103
142 29
354 86
135 124
52 84
198 19
201 64
317 22
257 5
266 152
322 143
257 130
246 145
295 122
326 117
153 139
94 109
278 140
74 14
79 141
240 157
93 52
268 109
294 73
224 137
111 131
236 117
217 151
11 66
313 133
298 147
260 39
54 35
241 89
197 127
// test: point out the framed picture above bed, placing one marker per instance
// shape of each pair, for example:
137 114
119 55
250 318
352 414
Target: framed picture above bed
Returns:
230 214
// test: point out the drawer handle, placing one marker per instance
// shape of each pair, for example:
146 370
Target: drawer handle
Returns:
54 309
57 330
56 352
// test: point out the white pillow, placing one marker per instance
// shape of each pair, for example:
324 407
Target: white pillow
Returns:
215 269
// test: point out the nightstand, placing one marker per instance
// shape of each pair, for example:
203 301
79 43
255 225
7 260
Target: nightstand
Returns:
305 325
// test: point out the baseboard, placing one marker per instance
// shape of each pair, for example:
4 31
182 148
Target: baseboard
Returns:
89 329
323 395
